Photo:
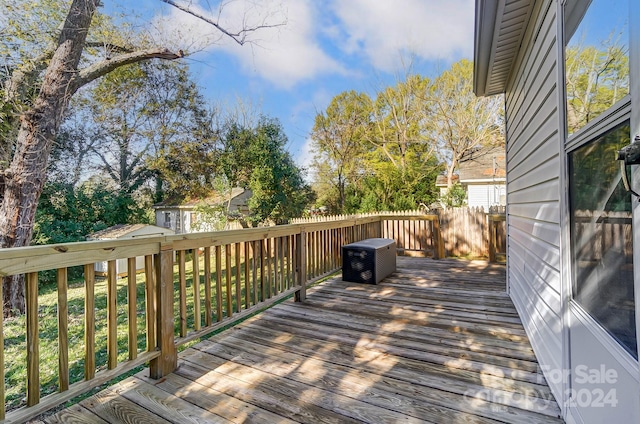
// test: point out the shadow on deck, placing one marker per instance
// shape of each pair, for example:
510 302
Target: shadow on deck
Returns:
438 341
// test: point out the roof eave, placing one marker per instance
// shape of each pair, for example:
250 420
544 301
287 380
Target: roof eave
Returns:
483 180
500 27
485 23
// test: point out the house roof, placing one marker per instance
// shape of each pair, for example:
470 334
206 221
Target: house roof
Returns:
486 164
500 26
119 230
441 180
213 199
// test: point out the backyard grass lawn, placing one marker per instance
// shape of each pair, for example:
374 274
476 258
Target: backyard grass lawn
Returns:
15 350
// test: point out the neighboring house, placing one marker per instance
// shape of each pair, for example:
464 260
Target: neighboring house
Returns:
572 269
482 174
126 231
182 216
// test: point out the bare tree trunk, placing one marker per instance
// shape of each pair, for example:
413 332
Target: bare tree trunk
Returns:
450 169
25 177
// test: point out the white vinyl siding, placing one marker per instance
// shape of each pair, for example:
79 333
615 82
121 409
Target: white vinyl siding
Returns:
533 190
484 195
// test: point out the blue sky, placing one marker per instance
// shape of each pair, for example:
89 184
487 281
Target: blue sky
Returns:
326 47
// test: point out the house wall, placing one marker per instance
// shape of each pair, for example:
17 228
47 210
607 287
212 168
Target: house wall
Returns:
485 195
161 220
533 190
240 203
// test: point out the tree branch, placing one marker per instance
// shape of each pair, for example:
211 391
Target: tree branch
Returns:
239 37
111 47
102 68
24 77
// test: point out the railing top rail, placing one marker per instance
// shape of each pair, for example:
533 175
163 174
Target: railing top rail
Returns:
39 258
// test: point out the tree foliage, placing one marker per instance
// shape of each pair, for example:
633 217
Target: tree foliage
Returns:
36 90
339 136
68 213
278 186
387 154
596 78
461 121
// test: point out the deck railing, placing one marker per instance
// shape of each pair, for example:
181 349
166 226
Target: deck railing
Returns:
191 285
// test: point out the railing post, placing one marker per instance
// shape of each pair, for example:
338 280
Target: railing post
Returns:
167 362
492 238
438 250
301 256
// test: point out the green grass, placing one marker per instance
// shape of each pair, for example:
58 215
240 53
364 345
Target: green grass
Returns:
15 327
15 343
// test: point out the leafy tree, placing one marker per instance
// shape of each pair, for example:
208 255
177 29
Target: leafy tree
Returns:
596 79
180 120
339 142
399 124
57 73
67 213
244 153
455 197
278 186
402 161
461 122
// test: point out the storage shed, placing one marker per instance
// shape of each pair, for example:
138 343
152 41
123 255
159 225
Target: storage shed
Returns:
127 231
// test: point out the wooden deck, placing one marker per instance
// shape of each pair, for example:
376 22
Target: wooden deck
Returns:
438 341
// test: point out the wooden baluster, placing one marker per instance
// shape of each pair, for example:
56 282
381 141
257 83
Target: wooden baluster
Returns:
63 331
112 315
263 289
182 290
218 283
150 300
287 255
254 272
247 283
315 248
283 275
276 266
197 318
227 268
294 255
133 313
269 280
33 345
238 278
207 287
326 254
89 322
301 255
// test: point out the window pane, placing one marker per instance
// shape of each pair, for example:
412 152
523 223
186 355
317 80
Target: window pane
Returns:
601 236
597 58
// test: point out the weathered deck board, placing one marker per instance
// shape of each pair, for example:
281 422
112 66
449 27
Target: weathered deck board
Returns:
438 341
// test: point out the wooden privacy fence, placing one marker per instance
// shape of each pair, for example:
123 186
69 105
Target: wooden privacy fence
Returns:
415 233
466 232
474 232
192 284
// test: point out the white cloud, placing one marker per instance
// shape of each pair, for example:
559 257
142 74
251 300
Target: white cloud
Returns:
384 31
304 155
283 55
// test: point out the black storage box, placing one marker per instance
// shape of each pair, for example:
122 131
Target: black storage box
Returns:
368 261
